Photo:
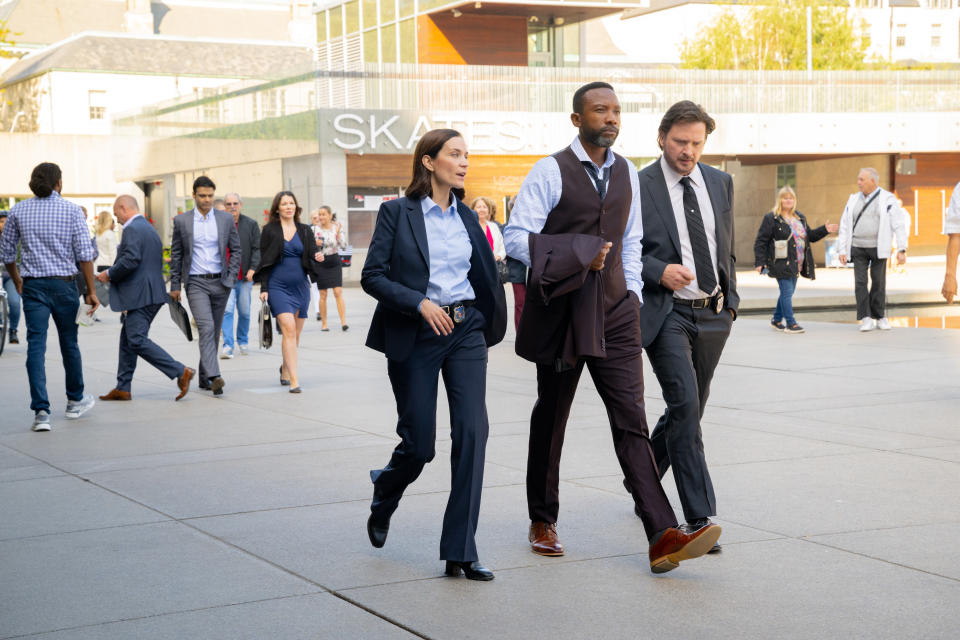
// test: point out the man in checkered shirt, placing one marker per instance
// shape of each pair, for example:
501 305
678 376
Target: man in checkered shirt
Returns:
54 241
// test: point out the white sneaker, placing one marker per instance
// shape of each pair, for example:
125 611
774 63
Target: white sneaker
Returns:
243 349
868 324
883 324
41 421
227 353
76 408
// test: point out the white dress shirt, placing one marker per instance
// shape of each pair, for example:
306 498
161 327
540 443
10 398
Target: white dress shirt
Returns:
675 189
540 193
951 223
206 245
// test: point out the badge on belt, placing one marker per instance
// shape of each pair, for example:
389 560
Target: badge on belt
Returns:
459 313
718 303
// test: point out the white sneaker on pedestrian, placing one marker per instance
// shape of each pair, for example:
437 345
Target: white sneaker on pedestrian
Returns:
883 324
868 324
41 421
227 353
76 408
243 349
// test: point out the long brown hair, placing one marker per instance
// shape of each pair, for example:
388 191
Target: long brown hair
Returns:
275 207
430 145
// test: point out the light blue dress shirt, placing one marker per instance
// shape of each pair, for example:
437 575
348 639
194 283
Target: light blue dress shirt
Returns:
448 251
540 193
206 245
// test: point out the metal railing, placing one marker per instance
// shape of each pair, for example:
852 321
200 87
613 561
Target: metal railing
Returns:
260 109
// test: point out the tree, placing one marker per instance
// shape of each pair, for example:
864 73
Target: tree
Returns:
772 35
6 38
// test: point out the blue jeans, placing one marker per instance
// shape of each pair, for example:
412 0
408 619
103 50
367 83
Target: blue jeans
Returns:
239 299
784 308
13 302
42 298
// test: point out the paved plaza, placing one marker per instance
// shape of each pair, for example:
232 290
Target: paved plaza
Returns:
835 456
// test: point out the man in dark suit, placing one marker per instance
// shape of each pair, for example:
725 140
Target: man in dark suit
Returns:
138 290
690 295
577 224
205 258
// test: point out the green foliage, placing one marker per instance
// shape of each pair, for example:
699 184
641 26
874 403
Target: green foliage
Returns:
6 37
772 35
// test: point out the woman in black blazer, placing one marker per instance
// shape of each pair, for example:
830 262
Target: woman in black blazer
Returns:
439 307
288 256
787 225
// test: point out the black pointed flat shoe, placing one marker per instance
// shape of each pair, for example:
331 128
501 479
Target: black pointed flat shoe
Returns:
472 570
377 532
283 382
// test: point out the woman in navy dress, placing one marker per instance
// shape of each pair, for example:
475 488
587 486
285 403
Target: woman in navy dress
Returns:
288 256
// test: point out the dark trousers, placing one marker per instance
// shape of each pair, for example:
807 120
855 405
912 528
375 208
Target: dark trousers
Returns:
43 298
684 356
872 305
619 381
134 342
208 300
462 359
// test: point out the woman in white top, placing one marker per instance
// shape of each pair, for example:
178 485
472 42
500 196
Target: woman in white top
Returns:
106 241
330 241
487 211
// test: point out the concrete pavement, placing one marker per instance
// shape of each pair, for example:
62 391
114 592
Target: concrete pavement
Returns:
835 456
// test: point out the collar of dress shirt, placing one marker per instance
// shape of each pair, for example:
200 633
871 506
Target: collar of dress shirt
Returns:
131 219
577 147
673 178
196 212
427 203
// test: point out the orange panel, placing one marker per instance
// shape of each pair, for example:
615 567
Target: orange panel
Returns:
433 46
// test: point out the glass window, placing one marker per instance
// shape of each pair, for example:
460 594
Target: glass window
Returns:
934 41
786 176
321 26
97 102
388 11
352 19
370 46
901 41
369 13
336 22
427 5
408 41
406 8
388 43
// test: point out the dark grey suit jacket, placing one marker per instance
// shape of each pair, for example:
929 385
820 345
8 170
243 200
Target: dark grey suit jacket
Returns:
136 277
661 243
181 249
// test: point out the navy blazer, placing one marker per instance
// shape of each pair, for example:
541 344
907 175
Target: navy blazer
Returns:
136 277
397 270
661 243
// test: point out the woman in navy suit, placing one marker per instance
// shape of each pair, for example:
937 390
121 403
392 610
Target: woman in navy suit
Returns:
439 307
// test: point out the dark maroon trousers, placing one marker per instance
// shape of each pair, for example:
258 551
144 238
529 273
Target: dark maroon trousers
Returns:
619 381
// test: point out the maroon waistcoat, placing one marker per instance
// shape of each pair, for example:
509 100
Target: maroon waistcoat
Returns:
580 210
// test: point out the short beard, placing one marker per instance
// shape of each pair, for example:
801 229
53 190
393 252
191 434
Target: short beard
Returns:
599 140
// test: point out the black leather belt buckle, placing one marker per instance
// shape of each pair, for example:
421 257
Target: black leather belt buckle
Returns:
702 303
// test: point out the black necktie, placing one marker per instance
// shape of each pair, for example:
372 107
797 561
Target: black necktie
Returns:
598 179
698 238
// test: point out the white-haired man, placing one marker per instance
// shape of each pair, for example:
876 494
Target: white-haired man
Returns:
870 221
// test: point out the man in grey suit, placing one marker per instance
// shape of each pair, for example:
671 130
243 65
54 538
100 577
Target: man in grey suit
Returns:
689 295
205 258
137 289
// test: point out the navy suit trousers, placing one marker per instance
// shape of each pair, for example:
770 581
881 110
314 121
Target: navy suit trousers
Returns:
461 358
134 342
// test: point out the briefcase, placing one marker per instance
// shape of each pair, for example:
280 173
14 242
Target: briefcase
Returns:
180 318
266 327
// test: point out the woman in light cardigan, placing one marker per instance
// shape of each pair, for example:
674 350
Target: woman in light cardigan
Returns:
487 212
107 242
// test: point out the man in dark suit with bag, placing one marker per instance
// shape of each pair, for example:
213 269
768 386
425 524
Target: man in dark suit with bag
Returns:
137 289
690 295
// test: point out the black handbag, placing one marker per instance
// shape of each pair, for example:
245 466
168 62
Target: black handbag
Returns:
266 327
503 271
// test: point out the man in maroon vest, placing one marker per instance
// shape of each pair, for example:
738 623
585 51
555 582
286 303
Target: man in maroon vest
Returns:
577 225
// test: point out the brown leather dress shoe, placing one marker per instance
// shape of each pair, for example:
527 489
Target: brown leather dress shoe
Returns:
116 394
676 545
183 382
543 539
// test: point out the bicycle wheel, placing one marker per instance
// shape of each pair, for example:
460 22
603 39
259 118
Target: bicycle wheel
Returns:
4 322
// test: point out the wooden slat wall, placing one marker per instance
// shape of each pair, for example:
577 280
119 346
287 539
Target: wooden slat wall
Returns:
929 189
473 39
